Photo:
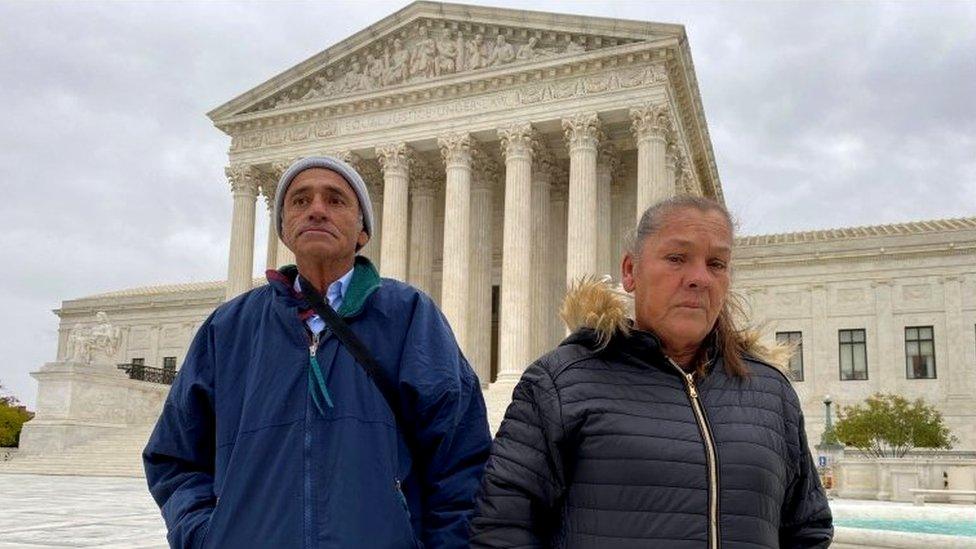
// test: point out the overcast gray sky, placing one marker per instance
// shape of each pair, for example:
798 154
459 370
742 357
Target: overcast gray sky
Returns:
821 115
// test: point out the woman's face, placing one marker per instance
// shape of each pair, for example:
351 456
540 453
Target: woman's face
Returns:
681 277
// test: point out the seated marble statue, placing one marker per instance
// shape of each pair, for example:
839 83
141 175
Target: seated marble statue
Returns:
101 341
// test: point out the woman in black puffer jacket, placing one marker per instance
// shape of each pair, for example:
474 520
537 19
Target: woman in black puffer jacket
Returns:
667 430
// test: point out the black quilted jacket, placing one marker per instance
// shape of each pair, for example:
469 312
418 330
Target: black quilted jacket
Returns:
605 449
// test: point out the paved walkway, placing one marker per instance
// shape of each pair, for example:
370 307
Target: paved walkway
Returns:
39 511
43 511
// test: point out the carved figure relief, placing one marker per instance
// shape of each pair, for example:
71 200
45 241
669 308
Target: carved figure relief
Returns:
417 56
98 343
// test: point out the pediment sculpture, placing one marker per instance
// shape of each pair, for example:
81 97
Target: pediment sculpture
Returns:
98 343
419 55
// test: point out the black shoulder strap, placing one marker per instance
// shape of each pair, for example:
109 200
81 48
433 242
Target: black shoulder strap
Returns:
352 343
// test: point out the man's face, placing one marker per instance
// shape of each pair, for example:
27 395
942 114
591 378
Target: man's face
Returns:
681 278
320 217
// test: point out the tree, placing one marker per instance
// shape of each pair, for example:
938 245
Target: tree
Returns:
12 419
887 425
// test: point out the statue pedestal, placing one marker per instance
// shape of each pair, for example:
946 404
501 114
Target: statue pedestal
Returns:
80 402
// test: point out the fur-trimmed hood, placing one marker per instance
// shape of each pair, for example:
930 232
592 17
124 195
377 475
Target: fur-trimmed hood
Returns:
607 310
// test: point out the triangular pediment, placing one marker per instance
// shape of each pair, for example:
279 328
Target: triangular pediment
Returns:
427 41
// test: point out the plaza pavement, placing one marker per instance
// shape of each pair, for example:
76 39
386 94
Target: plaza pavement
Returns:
51 511
43 511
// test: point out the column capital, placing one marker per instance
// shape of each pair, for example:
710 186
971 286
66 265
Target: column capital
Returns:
244 179
350 158
607 154
456 148
583 130
424 179
486 171
394 156
278 167
516 139
268 186
545 162
368 169
651 121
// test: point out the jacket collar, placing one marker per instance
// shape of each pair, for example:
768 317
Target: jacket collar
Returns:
365 281
638 346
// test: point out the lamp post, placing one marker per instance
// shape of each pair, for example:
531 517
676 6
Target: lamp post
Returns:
827 450
827 402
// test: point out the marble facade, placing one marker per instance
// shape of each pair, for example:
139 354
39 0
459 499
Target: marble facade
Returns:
509 152
437 116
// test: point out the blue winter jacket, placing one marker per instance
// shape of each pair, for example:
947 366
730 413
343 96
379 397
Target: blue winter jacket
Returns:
243 457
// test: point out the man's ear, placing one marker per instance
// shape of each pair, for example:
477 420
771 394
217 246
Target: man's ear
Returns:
627 273
362 240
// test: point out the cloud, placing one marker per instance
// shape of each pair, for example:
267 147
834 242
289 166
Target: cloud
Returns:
112 176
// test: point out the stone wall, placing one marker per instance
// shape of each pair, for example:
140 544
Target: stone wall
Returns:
80 402
890 479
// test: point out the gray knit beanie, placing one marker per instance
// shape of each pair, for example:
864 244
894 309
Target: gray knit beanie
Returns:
330 163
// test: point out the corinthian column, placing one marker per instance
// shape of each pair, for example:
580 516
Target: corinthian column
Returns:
485 175
621 215
424 187
671 155
394 160
559 194
515 349
244 187
268 186
456 151
583 135
541 307
373 176
283 256
651 125
605 168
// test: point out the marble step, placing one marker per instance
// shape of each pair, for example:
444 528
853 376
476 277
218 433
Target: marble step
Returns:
117 454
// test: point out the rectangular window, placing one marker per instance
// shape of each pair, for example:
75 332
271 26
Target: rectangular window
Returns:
795 341
853 355
169 363
139 361
919 352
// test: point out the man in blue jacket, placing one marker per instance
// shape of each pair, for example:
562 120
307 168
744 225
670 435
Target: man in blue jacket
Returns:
273 435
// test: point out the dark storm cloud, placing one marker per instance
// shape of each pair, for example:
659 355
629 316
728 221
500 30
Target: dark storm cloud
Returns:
821 115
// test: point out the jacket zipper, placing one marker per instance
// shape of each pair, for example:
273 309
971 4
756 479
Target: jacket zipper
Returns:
307 451
710 455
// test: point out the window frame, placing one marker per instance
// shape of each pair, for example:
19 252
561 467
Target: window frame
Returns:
909 369
852 344
798 355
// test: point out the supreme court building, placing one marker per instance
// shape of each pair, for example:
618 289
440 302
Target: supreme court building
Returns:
509 152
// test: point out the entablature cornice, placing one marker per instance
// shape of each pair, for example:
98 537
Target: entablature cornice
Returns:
482 115
846 256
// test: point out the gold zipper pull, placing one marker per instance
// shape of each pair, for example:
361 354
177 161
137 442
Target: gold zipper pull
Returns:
691 386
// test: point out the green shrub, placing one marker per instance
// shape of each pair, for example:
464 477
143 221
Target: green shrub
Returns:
887 425
12 419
